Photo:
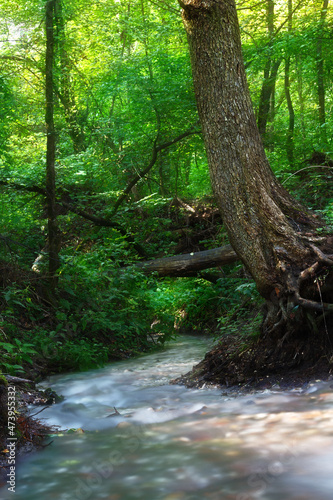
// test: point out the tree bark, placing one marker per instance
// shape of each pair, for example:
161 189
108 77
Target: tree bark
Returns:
272 234
189 264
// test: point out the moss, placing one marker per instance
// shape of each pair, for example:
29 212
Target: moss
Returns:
3 380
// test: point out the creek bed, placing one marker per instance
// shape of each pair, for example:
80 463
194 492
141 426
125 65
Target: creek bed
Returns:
134 436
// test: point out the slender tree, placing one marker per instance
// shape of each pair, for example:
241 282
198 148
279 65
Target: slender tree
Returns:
53 232
273 235
64 89
320 74
291 126
266 101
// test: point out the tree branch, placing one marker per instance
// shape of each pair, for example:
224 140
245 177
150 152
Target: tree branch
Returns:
311 304
100 221
142 173
22 187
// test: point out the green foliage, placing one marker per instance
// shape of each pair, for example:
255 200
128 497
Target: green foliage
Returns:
101 312
7 106
119 308
14 355
199 305
122 84
63 354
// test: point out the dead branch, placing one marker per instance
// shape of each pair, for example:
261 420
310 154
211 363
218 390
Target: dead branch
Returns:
189 264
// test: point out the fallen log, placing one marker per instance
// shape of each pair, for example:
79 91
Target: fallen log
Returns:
189 264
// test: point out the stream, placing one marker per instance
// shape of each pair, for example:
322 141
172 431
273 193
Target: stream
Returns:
134 436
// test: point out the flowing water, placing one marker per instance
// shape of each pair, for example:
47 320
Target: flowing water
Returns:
133 436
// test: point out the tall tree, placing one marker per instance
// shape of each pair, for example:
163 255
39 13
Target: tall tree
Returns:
290 132
53 232
320 74
273 235
64 89
266 102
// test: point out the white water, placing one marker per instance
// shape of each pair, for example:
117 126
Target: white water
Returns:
172 443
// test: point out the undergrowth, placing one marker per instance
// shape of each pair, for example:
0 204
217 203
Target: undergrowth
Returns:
104 310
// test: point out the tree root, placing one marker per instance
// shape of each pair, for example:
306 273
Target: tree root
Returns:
311 272
284 318
312 304
327 259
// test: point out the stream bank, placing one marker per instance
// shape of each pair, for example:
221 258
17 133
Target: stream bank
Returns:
29 432
135 436
243 364
32 431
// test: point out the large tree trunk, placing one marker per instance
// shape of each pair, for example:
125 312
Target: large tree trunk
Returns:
273 235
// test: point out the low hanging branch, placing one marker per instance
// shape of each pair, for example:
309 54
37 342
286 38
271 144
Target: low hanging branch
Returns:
22 187
142 173
100 221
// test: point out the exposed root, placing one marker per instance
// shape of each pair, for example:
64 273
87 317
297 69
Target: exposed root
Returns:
312 238
307 273
327 259
310 272
312 304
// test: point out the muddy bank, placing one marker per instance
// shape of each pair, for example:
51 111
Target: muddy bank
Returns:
20 433
243 366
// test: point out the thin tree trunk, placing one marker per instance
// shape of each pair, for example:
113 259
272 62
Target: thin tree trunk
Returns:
321 76
291 126
266 109
290 132
300 94
66 93
53 233
266 102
